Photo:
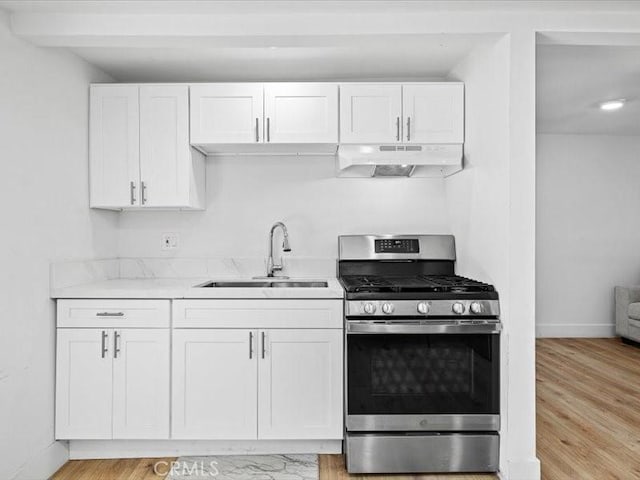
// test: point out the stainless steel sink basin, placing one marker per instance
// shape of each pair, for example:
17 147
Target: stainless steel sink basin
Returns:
273 284
299 284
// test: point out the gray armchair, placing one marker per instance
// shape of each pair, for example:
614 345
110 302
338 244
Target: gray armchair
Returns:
628 312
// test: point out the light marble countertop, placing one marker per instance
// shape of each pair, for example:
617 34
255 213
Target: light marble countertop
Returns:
174 288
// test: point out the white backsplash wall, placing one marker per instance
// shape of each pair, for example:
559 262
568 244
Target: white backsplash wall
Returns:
246 195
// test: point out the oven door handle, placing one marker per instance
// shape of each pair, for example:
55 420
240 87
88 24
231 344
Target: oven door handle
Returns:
428 328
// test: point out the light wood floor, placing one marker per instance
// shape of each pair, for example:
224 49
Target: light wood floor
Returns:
588 424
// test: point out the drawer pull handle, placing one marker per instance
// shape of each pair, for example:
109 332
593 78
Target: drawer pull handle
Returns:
263 344
250 345
110 314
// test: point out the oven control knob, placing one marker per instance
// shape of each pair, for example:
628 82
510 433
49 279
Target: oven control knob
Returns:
423 308
458 308
388 308
476 307
369 308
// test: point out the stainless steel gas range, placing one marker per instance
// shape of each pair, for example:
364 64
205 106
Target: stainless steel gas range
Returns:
422 358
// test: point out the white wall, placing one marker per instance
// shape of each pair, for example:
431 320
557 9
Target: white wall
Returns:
588 231
246 195
44 198
478 199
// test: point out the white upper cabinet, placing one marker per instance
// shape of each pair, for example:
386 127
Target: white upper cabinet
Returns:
272 117
301 113
140 155
83 383
214 384
370 113
434 113
114 146
226 113
300 384
427 113
141 369
165 154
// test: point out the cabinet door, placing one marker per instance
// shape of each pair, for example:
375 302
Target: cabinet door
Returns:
301 113
226 113
214 384
165 156
300 384
114 146
434 113
141 371
83 384
370 113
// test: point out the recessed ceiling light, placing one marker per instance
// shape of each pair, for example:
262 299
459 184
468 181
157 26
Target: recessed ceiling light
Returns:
612 104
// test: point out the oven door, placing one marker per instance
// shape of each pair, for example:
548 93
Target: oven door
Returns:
412 376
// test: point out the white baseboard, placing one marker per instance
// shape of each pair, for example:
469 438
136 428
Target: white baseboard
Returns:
44 463
523 470
86 449
576 330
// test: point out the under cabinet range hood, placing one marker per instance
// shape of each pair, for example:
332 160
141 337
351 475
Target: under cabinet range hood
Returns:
409 160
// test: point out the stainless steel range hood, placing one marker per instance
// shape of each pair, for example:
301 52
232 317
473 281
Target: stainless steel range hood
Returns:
410 160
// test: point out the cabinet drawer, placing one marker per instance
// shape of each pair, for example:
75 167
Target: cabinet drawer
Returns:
114 313
257 313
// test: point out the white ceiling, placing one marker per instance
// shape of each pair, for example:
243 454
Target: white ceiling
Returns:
139 41
572 80
383 58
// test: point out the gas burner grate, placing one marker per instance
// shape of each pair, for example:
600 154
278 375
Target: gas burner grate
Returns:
418 283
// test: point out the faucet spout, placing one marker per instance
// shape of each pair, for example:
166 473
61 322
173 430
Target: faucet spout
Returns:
273 267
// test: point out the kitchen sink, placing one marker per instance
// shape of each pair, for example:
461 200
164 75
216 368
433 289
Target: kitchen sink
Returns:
273 284
289 284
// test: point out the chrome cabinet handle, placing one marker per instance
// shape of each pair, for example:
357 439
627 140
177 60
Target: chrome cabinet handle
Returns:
116 345
110 314
263 344
257 130
132 189
268 129
250 345
408 129
398 129
104 348
144 192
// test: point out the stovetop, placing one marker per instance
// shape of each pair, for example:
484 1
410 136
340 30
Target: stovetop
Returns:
415 287
417 268
413 284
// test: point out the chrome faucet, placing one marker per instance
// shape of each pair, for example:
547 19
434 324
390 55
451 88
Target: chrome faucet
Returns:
271 265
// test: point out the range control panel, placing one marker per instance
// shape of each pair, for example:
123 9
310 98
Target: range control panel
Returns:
397 245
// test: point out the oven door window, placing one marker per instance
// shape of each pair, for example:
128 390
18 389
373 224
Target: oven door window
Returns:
423 374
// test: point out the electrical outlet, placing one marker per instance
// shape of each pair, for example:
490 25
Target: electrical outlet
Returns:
169 241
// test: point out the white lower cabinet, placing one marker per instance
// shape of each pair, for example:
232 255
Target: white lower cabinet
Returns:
300 384
245 384
257 369
231 370
215 392
141 383
112 383
83 384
